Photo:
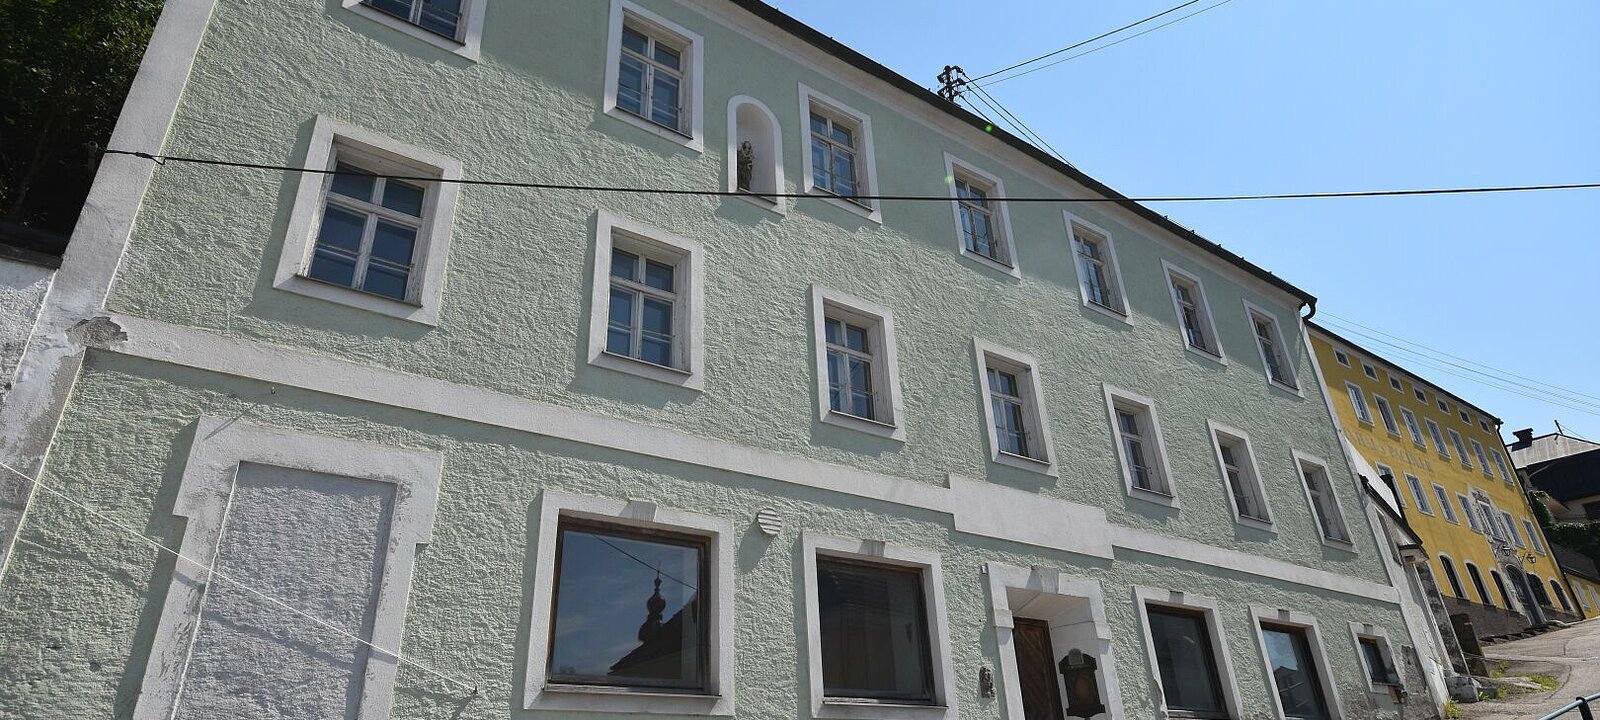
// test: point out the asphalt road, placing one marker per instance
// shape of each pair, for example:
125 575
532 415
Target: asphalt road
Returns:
1571 655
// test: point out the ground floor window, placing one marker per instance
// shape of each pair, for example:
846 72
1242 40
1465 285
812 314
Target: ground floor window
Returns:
874 629
1294 672
1189 678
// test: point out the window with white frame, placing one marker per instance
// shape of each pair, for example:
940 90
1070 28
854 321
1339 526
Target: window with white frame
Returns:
654 78
1424 504
645 311
1489 516
1483 424
1472 515
1139 445
1099 280
1444 503
839 164
1377 658
1461 448
1341 357
1239 474
982 224
1483 460
1274 353
1500 465
858 381
442 17
368 233
1194 313
1358 402
1466 418
1533 535
1422 397
1369 370
1298 665
1387 414
1412 427
1324 504
454 25
1511 529
1019 431
1395 383
1438 438
1444 407
1188 654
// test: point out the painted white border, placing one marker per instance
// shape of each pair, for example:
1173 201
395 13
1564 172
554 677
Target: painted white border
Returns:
1380 402
1158 445
928 562
1437 433
470 44
689 323
1143 598
1453 578
204 494
1448 511
1460 444
778 204
540 694
1250 310
1483 458
1425 503
1034 393
888 375
1073 223
1352 393
1374 632
956 169
1214 430
305 217
1307 623
1208 324
693 56
1417 439
1049 581
1300 461
866 156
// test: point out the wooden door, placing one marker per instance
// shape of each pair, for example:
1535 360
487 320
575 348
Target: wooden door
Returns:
1036 666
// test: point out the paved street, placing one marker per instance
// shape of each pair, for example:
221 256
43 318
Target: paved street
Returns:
1571 655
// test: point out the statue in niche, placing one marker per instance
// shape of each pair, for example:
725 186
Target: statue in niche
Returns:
745 166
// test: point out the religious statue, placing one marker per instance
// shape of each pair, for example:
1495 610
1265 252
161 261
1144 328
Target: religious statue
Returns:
746 166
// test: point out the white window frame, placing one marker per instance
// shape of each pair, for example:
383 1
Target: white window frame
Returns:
1358 401
1365 631
1208 326
469 40
1143 598
779 204
204 493
866 163
1533 536
1420 394
886 363
1308 624
1413 427
1250 473
1156 445
928 563
540 694
956 169
1030 391
1483 458
625 11
1500 464
1044 591
1368 370
1383 470
433 238
1419 492
1342 357
1441 494
1471 513
1300 461
1251 310
688 314
1386 414
1438 438
1075 227
1460 446
1511 529
1395 383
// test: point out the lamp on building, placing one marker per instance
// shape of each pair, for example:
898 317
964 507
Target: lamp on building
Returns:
1083 690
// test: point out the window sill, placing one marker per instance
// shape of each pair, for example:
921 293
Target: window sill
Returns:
1154 496
648 370
861 424
302 285
1393 433
468 48
1348 546
1291 389
612 699
991 263
692 142
772 205
869 709
865 210
1107 311
1256 523
1023 462
1207 354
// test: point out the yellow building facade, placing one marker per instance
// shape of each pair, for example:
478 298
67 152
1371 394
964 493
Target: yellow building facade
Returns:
1486 551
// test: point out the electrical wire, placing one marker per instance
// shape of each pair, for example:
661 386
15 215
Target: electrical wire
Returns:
163 159
1019 123
1076 45
1118 41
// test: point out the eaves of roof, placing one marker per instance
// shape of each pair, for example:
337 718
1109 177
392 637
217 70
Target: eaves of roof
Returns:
1414 376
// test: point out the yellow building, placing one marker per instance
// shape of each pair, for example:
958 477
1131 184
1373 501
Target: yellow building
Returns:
1486 552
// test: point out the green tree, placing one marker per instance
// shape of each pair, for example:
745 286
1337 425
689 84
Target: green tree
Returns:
1581 536
65 66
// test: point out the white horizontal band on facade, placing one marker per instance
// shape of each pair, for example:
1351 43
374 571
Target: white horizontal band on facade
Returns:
976 507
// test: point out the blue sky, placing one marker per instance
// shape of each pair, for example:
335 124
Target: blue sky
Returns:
1266 96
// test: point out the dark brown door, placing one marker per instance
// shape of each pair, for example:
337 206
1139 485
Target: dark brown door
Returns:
1036 664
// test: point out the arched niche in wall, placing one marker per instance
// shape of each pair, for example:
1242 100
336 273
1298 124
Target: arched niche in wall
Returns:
755 152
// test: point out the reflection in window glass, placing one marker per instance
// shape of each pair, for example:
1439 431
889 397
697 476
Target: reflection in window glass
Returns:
1188 668
874 632
627 608
1378 668
1294 672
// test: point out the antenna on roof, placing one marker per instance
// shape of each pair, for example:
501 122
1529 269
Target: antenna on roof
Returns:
952 82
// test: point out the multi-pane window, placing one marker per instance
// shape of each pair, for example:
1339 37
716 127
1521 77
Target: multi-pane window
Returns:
1533 535
1422 397
1491 519
980 229
1410 419
1358 403
1466 418
1438 439
1010 412
1341 357
1472 515
1444 407
1461 448
850 367
1096 273
1370 371
1483 460
1424 505
1194 318
1394 382
1387 413
1294 672
1483 424
1380 670
641 319
1500 464
650 77
872 621
1330 519
628 608
1511 529
1270 341
369 239
833 154
1138 445
1190 681
1444 503
1018 427
442 17
1239 472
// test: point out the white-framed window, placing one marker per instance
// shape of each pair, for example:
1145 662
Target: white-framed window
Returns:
1051 613
655 75
1445 505
1500 465
1193 312
361 239
1483 424
1377 657
839 162
1188 656
1470 513
755 154
1139 446
1461 448
1295 660
1410 419
1424 503
608 571
1395 383
1465 418
1013 408
1341 357
1422 397
1324 503
1511 529
1488 514
1358 402
454 25
1369 370
647 302
1387 414
1095 257
1444 407
1386 471
1240 476
1533 535
1483 459
1438 438
877 641
1274 351
983 226
857 365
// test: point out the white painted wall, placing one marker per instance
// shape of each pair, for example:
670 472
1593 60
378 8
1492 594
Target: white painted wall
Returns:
22 288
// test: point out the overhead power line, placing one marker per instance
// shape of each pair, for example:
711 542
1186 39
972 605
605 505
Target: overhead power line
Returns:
1118 41
163 159
1077 45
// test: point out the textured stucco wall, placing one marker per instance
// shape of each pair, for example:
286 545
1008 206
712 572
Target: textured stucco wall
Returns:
81 596
22 289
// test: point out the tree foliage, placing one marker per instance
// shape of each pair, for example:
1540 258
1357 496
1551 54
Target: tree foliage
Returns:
65 66
1581 536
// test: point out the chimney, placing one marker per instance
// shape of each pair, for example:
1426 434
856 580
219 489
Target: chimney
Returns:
1524 438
